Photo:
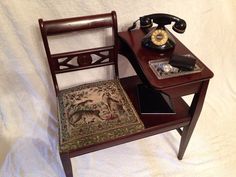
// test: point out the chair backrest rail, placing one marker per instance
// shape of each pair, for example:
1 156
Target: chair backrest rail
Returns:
82 67
75 53
54 27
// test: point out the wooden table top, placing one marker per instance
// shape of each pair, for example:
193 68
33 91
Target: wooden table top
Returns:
143 55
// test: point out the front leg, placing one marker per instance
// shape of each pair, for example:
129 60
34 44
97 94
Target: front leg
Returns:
195 110
66 162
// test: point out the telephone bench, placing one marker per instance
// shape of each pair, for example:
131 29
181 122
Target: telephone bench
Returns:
98 115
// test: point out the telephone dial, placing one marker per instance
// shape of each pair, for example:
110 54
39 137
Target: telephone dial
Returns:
159 38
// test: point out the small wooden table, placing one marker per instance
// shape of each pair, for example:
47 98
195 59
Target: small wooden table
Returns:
186 117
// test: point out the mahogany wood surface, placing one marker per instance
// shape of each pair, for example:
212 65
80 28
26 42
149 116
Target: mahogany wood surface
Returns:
138 55
78 23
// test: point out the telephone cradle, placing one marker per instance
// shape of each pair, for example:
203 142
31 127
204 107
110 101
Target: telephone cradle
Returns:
159 38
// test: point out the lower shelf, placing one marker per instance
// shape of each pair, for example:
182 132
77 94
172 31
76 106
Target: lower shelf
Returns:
153 102
181 115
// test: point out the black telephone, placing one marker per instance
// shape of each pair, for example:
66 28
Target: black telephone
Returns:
159 38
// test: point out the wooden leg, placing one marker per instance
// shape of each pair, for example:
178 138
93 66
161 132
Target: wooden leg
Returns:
65 159
187 132
195 110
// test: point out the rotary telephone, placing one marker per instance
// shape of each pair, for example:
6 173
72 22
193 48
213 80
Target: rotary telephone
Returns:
159 38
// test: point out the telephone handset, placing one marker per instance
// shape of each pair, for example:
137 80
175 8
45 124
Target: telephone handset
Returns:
159 38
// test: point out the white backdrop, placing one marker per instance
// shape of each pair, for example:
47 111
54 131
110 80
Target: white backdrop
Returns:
28 126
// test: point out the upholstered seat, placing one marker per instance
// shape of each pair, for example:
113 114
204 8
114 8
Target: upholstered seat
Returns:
95 113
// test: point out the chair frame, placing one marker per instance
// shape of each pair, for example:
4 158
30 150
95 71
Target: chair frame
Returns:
61 26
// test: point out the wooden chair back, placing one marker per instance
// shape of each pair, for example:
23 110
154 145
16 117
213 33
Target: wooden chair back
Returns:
61 62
